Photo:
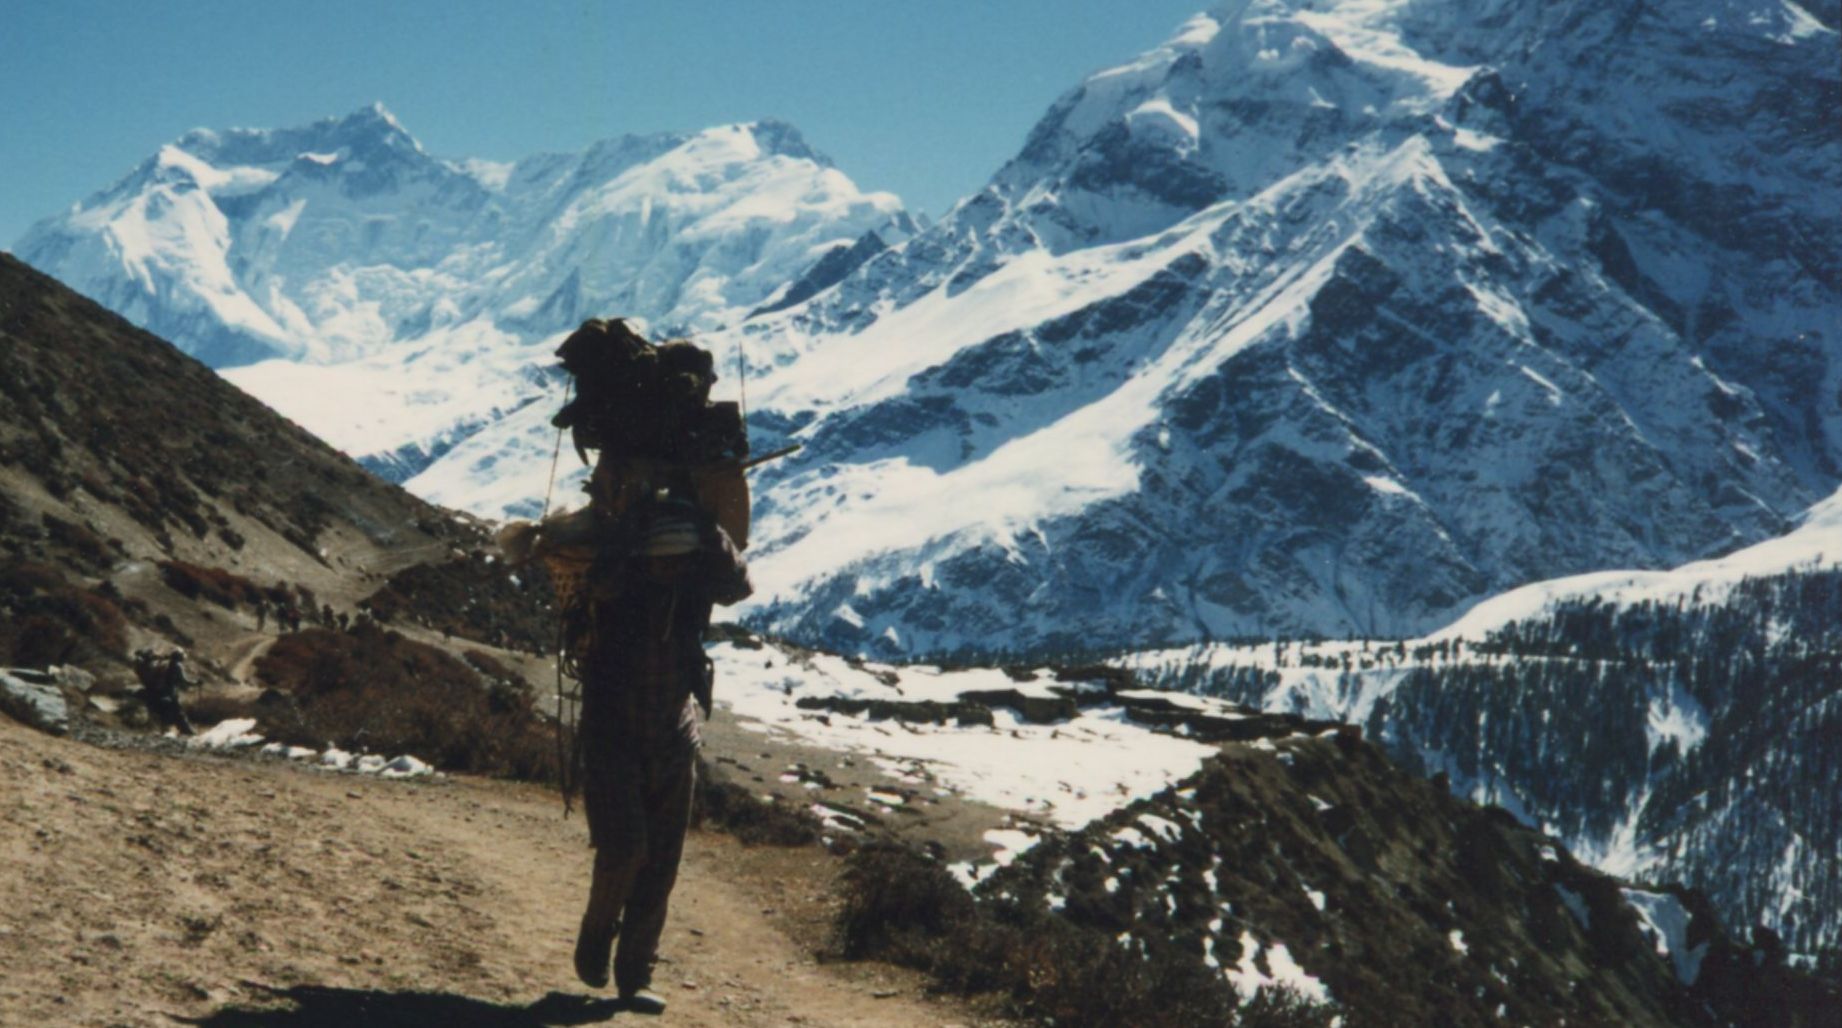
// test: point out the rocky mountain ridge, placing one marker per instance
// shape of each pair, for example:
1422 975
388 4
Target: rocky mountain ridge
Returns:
118 448
1327 318
146 503
1312 864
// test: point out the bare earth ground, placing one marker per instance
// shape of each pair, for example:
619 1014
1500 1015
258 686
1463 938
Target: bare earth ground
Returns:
141 888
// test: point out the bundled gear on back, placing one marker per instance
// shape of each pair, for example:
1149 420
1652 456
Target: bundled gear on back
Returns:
668 497
646 409
661 445
635 399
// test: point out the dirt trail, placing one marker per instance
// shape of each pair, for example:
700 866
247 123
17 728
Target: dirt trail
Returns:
240 662
142 888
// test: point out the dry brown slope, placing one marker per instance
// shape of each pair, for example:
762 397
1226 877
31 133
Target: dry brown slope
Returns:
118 452
142 888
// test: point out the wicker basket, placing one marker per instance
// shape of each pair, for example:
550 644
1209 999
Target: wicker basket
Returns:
568 567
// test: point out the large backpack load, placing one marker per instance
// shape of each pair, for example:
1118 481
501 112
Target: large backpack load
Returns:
663 448
646 408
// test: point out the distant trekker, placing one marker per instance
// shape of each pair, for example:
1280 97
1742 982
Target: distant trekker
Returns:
161 681
660 546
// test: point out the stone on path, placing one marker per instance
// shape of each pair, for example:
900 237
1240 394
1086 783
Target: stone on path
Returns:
33 698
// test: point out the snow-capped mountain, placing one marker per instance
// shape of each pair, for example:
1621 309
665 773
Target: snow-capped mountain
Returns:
1328 317
1814 545
395 302
1675 725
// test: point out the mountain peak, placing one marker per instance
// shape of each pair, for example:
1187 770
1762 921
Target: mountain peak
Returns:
780 138
374 125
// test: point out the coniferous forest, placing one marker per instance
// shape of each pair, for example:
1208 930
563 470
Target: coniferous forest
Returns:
1696 740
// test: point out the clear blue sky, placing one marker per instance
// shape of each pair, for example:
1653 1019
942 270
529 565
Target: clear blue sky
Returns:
924 99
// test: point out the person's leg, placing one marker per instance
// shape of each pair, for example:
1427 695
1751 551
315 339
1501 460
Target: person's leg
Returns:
612 801
166 708
615 869
669 810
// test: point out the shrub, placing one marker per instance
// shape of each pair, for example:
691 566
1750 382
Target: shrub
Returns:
46 620
209 710
730 807
221 587
88 547
473 598
374 690
902 907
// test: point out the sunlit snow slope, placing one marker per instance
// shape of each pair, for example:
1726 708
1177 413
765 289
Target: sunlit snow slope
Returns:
396 303
1328 317
1814 545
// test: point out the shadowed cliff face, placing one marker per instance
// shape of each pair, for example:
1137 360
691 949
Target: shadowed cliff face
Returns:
1313 862
1680 729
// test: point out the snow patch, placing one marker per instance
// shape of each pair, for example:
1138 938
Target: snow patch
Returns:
1282 970
1665 921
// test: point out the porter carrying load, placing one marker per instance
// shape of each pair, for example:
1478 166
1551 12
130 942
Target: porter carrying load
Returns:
636 574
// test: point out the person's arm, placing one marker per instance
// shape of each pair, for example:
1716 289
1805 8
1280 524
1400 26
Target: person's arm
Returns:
725 573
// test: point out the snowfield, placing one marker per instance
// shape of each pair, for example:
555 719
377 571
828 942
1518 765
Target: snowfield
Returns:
240 734
1065 773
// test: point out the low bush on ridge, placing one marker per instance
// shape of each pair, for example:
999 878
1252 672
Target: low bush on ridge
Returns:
906 909
473 598
740 812
374 690
224 588
46 620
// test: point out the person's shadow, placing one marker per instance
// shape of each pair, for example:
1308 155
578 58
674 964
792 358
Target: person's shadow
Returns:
315 1006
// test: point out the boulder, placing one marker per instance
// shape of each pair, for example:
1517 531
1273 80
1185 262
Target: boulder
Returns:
73 678
1037 710
33 698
